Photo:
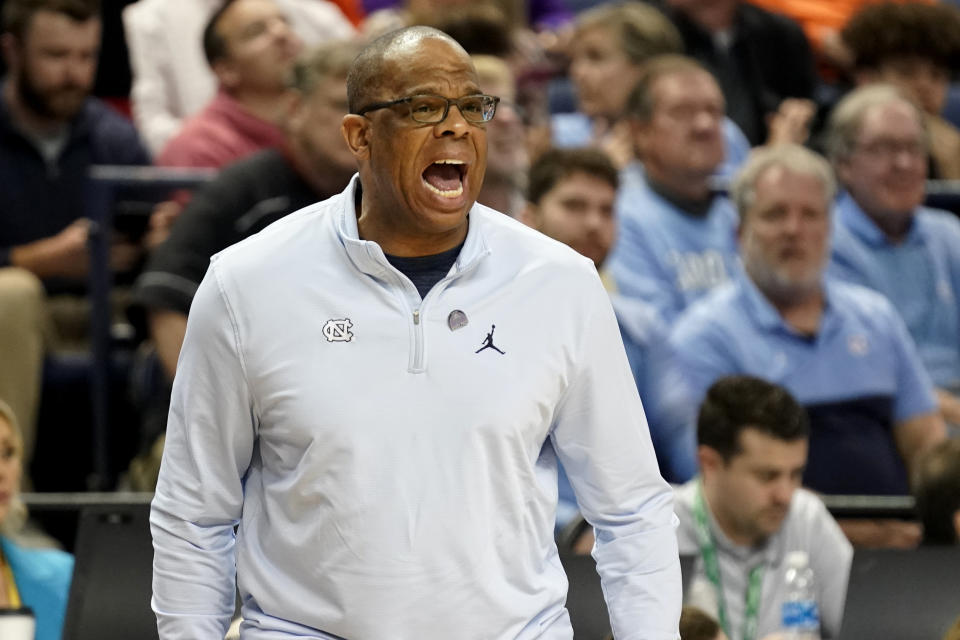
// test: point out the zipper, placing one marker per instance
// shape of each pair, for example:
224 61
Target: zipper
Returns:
417 364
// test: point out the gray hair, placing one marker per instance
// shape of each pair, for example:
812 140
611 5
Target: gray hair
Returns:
643 30
791 157
846 120
328 60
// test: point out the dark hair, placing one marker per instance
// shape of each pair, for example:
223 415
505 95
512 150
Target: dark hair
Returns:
881 32
214 46
480 29
936 487
556 164
18 13
735 403
640 102
366 73
696 624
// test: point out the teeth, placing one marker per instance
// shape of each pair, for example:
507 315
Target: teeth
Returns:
448 161
451 193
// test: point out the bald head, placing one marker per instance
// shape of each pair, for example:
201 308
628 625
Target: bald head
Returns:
368 70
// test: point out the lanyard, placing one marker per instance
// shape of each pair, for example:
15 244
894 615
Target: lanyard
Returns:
708 550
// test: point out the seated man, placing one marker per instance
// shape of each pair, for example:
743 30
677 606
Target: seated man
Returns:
249 195
885 239
746 511
841 350
937 490
677 238
251 47
51 132
570 198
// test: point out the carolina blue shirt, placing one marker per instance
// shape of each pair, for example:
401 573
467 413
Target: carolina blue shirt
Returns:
666 256
576 130
920 276
857 377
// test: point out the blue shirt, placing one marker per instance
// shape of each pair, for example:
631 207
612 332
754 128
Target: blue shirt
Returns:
43 581
857 377
576 130
666 256
920 276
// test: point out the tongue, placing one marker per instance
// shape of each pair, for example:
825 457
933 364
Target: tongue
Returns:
445 177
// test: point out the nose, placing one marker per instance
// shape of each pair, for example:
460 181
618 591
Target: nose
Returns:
453 125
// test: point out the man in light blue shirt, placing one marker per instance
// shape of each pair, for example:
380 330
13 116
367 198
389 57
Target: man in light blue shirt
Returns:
840 349
364 391
677 238
884 239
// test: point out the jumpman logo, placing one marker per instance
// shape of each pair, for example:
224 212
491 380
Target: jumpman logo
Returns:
488 342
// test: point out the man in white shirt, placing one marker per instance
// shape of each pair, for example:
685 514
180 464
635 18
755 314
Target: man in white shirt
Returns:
364 390
746 511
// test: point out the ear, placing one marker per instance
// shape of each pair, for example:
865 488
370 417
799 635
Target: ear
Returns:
956 523
709 459
296 111
227 74
11 50
356 132
530 216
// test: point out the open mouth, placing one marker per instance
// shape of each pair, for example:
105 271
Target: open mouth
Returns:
445 178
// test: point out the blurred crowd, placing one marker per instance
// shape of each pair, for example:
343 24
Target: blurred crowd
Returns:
750 178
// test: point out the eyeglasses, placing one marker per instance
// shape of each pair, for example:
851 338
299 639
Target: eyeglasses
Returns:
886 148
430 109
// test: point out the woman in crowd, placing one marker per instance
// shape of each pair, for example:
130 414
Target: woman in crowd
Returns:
29 577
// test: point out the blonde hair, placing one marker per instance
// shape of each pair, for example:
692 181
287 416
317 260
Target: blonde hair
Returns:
17 514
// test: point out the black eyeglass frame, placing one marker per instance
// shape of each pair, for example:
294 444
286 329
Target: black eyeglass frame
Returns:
446 109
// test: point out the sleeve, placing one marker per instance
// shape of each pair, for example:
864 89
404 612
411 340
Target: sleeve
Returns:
831 566
148 94
199 496
915 392
203 228
601 437
637 271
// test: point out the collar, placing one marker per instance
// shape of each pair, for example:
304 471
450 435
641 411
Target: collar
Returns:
856 220
249 125
368 256
765 315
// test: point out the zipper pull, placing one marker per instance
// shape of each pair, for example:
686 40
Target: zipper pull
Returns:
416 316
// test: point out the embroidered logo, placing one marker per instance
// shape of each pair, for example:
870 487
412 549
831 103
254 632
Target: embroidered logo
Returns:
338 330
858 345
488 342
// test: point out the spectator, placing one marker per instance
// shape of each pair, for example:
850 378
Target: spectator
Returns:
610 45
841 349
251 47
746 512
762 62
937 490
250 194
571 198
171 79
677 237
915 46
885 239
30 577
51 132
507 157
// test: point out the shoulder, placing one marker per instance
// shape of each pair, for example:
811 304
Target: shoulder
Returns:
638 319
112 132
807 506
50 567
854 301
943 225
712 314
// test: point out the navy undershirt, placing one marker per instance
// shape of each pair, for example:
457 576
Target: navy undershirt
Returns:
426 271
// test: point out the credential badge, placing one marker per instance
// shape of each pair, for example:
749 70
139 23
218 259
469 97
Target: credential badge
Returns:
338 330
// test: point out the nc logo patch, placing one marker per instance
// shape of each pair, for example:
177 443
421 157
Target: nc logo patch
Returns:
338 330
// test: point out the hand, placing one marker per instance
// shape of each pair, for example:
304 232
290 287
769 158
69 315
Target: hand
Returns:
161 221
791 122
63 255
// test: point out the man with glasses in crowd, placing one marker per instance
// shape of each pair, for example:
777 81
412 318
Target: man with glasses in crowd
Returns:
335 402
886 239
